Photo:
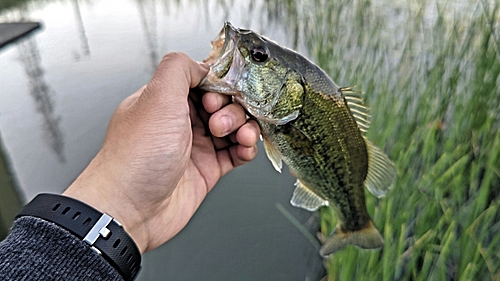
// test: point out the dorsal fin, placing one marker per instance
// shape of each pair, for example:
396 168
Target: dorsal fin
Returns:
357 107
381 171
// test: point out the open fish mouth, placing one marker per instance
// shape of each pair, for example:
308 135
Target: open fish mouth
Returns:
218 44
230 70
226 63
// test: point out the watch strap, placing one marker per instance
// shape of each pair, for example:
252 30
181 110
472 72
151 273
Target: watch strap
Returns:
103 233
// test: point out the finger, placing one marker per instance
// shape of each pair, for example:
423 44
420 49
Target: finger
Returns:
235 156
227 120
225 162
215 101
221 143
248 134
242 154
232 137
170 85
199 117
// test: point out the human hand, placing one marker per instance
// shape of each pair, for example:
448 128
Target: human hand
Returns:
157 162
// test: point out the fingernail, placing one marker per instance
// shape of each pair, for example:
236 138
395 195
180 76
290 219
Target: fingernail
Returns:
227 124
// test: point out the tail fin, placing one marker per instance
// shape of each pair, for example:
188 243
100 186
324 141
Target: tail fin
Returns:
366 238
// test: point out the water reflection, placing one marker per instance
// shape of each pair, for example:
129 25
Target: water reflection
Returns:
147 14
42 95
84 42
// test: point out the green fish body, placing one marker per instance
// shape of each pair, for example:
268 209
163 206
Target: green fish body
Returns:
309 123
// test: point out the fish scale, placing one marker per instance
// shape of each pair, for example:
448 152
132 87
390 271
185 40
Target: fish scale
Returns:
329 152
311 125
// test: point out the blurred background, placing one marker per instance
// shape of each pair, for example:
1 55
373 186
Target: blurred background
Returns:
430 72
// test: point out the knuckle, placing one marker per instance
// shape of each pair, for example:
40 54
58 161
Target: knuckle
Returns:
175 57
175 60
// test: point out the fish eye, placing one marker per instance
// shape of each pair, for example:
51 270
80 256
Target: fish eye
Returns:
259 54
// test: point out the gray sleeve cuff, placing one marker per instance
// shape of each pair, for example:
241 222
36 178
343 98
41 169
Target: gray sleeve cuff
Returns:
39 250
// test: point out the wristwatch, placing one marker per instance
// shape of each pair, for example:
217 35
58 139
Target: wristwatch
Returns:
104 234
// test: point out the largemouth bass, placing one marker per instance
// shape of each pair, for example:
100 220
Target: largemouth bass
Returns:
309 123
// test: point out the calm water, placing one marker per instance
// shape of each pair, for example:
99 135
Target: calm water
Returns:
59 87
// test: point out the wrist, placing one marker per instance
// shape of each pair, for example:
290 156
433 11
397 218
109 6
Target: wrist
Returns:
101 193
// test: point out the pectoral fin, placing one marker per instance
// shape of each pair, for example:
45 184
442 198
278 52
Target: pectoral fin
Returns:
381 171
273 155
280 121
304 198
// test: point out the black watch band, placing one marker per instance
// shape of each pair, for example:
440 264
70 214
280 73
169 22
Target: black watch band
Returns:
103 233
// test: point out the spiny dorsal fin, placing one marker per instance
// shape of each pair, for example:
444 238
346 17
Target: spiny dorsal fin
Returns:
273 155
381 171
357 107
304 198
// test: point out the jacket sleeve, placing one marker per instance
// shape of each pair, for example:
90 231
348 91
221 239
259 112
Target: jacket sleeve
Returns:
39 250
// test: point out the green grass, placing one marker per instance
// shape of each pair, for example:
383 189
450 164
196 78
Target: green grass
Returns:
430 72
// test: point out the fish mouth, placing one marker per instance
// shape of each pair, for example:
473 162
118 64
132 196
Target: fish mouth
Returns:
220 44
225 61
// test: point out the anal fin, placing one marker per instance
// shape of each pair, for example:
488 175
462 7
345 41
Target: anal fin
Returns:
304 198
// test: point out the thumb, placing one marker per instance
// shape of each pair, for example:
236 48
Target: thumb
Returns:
170 85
